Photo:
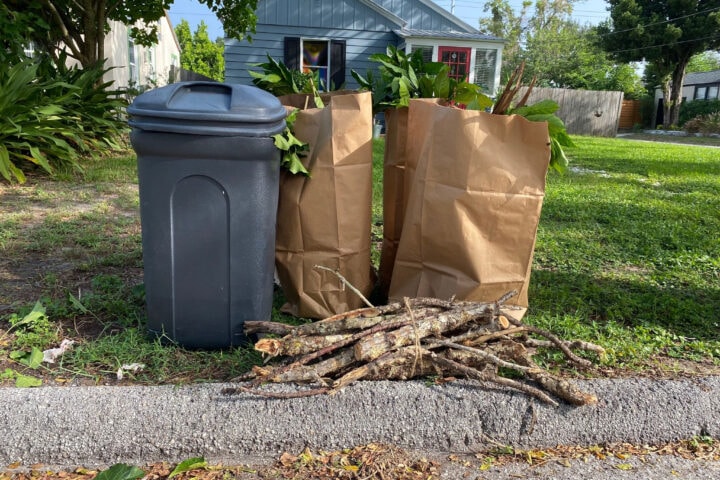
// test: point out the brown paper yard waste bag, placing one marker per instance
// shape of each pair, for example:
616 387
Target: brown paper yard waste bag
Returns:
395 166
473 206
325 219
393 197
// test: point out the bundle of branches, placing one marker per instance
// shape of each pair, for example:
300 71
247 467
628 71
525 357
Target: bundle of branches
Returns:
416 338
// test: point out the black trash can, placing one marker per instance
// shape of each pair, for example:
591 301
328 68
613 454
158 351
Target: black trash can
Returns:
208 172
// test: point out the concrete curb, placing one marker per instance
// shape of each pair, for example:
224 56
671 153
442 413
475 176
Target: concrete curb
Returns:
104 425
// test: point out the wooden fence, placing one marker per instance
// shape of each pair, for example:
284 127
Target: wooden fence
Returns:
585 112
630 114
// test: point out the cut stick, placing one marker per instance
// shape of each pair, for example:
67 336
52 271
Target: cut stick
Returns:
486 376
373 346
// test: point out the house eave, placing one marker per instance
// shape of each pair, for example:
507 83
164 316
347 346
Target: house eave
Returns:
448 36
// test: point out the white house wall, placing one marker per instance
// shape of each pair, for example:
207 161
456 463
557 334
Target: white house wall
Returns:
116 50
154 63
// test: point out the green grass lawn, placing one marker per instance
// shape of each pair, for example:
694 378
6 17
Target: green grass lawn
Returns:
627 256
628 250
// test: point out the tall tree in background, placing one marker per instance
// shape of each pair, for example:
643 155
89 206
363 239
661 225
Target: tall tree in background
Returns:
79 26
667 35
567 56
559 51
199 54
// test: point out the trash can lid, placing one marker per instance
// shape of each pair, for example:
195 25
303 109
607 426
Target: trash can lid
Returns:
208 108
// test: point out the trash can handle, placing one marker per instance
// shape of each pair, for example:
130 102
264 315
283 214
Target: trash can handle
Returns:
202 96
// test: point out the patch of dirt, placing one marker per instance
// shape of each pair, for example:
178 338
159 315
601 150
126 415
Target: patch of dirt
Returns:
27 272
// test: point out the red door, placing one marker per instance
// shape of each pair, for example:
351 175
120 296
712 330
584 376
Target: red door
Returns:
458 59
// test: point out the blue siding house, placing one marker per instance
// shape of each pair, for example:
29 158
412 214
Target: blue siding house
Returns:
337 36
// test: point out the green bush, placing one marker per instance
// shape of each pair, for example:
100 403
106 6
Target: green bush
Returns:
49 118
709 123
696 108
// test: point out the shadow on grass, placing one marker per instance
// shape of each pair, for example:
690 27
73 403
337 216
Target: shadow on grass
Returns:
683 310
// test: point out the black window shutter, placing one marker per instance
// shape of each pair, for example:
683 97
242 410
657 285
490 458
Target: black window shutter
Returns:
292 53
337 63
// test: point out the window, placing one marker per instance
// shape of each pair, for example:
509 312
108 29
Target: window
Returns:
133 73
700 93
458 59
485 61
713 92
327 57
316 58
426 51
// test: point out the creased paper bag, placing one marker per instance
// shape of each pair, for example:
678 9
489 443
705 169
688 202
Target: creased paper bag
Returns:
396 167
325 219
473 204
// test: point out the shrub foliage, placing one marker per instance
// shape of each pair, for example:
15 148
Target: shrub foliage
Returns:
49 117
696 108
706 124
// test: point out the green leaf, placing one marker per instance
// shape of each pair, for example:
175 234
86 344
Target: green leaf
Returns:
33 359
77 304
434 68
188 465
17 354
281 142
7 167
364 83
442 84
35 314
120 471
272 78
558 159
292 162
412 78
404 93
51 110
543 107
26 381
426 87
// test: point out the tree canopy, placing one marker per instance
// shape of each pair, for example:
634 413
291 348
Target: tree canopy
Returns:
79 27
704 62
666 34
200 54
558 51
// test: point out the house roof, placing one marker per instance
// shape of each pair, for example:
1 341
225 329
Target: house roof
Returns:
406 33
699 78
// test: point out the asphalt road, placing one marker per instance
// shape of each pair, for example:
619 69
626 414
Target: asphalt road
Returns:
91 426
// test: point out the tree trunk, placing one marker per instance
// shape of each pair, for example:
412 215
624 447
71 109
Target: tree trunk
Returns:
677 79
89 46
667 102
100 21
